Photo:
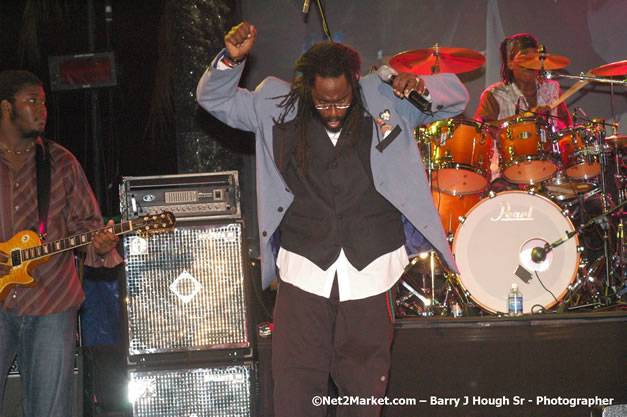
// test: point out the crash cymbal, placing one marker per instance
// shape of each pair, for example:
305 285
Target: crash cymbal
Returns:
616 141
435 60
539 61
610 70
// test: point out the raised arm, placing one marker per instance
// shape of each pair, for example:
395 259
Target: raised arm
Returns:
218 90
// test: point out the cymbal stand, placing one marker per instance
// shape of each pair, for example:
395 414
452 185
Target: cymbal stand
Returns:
429 159
414 288
604 222
432 271
549 75
435 69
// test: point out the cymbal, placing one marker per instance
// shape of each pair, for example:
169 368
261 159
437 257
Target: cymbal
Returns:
435 60
616 141
539 61
610 70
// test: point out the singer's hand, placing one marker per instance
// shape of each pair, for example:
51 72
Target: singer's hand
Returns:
240 40
404 83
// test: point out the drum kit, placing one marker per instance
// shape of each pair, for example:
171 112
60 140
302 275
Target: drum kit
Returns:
558 229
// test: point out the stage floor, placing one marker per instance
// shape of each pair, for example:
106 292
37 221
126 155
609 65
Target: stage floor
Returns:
499 366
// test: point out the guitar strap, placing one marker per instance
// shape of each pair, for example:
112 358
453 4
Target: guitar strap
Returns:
42 158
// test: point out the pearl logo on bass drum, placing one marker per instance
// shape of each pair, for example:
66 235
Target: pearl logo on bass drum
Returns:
506 214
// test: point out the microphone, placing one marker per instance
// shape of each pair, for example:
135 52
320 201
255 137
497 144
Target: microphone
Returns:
538 254
306 6
388 74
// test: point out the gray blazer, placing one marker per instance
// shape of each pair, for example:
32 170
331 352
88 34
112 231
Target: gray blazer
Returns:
398 172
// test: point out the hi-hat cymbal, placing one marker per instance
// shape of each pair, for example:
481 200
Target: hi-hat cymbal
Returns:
538 61
616 141
610 70
435 60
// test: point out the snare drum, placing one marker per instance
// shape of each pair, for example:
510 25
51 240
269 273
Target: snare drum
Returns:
461 151
562 188
527 151
580 155
493 247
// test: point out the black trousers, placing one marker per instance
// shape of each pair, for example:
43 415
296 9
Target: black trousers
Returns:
315 337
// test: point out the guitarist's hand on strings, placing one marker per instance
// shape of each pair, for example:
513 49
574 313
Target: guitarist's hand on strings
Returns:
105 241
4 267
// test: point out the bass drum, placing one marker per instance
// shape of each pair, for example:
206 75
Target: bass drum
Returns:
493 247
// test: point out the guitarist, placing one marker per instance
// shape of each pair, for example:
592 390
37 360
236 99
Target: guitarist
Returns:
38 323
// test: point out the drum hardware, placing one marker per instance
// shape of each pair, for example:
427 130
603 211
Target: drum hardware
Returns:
414 301
415 298
583 77
539 254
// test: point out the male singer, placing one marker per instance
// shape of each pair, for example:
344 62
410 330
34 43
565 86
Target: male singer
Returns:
337 168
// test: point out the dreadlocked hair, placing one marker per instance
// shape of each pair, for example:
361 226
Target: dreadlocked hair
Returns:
510 47
328 60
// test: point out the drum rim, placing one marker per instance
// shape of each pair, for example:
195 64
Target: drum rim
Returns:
529 158
525 119
491 197
467 122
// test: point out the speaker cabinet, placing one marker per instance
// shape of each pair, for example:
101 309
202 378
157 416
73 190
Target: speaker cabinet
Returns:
222 390
186 291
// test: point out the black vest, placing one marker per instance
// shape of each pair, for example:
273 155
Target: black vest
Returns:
335 203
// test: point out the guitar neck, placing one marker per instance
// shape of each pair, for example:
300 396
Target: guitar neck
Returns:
72 242
146 225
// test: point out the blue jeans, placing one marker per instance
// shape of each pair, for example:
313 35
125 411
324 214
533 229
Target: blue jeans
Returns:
45 348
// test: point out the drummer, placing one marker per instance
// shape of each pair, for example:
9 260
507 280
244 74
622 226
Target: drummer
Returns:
521 94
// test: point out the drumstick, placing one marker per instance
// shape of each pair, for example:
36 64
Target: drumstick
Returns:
572 90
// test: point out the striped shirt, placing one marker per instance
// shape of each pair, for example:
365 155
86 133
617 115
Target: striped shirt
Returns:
73 209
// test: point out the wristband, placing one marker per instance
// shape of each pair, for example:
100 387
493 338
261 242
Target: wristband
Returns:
232 62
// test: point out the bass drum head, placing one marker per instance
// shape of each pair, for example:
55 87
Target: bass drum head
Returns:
493 250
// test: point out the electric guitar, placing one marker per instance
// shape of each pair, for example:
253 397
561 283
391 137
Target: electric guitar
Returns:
26 251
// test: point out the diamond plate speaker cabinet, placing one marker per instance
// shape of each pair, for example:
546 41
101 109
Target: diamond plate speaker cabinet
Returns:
185 293
205 391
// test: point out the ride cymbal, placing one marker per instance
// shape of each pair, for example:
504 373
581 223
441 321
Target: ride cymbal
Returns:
610 70
616 141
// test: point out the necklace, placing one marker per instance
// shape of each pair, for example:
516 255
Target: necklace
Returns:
25 151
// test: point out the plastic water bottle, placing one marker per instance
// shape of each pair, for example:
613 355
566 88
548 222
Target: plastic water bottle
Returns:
515 301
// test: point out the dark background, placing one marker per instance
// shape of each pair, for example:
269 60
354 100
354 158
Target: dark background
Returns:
149 123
